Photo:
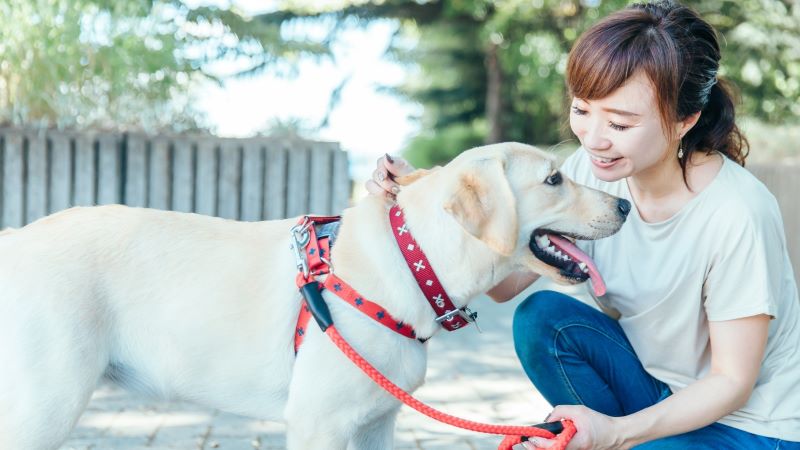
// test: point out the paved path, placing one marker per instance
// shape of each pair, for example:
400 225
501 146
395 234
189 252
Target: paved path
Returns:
475 376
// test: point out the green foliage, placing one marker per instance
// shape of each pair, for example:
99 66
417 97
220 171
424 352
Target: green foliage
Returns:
129 64
430 149
450 43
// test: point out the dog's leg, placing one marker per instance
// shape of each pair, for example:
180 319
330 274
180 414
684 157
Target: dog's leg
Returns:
314 436
51 362
40 412
376 435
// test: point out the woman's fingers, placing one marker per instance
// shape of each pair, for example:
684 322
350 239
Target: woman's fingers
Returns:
387 168
395 165
376 189
382 179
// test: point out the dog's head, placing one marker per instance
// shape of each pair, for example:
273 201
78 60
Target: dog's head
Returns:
513 199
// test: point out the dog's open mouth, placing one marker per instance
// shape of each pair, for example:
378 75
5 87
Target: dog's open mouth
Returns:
559 250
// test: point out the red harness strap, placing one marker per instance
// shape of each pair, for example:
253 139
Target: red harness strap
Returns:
317 254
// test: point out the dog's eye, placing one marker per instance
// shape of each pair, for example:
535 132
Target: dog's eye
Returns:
554 179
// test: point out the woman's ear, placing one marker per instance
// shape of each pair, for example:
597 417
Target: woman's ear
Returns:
687 123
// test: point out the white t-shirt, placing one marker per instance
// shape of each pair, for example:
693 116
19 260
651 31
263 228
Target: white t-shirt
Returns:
723 256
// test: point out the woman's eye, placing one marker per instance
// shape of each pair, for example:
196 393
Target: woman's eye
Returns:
617 127
578 111
554 179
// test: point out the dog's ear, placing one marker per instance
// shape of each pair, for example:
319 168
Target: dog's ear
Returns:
405 180
484 205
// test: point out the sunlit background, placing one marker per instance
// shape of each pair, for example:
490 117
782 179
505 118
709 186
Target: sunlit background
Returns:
426 79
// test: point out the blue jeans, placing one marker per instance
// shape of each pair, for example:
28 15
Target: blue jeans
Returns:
576 355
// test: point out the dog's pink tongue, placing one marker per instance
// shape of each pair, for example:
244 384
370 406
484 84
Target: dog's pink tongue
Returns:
578 255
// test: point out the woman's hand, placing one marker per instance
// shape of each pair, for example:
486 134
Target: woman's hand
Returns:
595 431
388 167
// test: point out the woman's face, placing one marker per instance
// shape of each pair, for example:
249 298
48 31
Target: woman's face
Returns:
622 132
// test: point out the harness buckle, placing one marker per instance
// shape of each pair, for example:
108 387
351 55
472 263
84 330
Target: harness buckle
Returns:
465 313
300 239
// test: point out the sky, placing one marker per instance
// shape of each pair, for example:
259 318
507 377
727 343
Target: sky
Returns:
366 123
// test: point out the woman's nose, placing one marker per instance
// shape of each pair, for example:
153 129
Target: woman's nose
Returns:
593 137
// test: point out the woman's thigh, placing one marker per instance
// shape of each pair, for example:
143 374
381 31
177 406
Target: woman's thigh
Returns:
575 354
718 437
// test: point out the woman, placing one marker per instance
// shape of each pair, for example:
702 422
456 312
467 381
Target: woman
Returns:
704 349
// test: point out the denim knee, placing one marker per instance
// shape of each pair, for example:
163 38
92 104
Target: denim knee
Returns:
539 314
536 321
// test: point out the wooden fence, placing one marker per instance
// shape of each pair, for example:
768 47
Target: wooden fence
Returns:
784 182
42 172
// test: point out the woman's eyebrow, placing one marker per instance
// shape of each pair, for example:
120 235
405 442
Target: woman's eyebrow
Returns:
621 112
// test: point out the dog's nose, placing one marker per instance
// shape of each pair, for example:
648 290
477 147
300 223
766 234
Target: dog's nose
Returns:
624 207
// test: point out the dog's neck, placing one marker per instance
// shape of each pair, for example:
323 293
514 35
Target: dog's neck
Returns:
366 256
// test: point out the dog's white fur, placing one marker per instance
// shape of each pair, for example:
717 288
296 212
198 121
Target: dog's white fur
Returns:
203 309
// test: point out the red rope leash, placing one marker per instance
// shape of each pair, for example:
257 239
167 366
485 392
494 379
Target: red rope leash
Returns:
513 434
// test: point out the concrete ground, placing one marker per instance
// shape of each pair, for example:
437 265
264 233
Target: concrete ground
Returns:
471 375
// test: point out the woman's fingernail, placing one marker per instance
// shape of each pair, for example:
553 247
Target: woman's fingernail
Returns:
389 158
381 176
395 190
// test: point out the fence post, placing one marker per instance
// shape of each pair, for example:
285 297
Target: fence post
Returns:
36 183
109 180
340 197
297 184
253 185
275 173
206 181
135 170
183 176
60 171
13 182
159 172
230 176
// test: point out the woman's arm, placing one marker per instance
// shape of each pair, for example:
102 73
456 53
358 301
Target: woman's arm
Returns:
737 349
511 286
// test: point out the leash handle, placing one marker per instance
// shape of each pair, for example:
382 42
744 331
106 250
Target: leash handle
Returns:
316 304
553 427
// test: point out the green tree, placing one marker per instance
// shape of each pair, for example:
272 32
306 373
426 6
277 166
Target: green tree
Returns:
492 70
101 63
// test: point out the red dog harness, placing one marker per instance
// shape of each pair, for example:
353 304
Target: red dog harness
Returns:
313 238
312 244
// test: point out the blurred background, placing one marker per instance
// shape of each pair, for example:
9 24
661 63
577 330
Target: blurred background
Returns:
427 79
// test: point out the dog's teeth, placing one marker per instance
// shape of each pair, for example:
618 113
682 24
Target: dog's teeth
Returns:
551 249
542 241
583 267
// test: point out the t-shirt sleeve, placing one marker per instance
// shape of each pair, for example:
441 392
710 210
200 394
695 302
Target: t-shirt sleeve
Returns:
746 266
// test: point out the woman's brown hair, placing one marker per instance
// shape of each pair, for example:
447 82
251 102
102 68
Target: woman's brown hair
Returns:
679 53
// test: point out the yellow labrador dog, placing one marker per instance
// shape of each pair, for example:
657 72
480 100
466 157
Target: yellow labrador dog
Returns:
204 309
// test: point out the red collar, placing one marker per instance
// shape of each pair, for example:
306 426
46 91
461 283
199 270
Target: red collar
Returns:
448 316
